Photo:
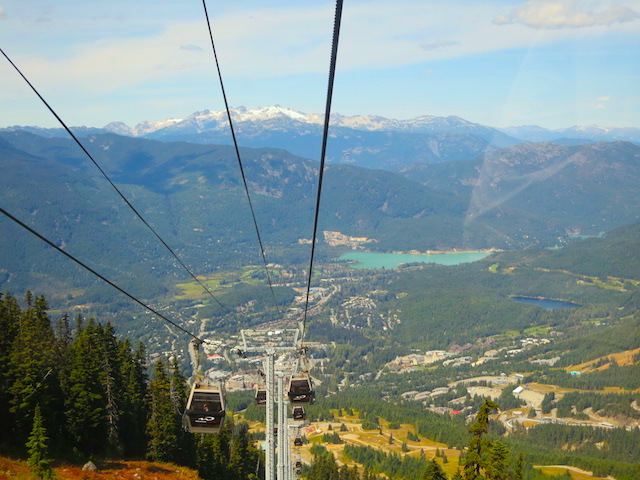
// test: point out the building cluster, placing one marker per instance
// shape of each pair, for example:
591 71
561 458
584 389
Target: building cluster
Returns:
336 239
426 395
408 362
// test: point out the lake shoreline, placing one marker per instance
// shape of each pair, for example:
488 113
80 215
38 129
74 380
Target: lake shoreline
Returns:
445 252
375 260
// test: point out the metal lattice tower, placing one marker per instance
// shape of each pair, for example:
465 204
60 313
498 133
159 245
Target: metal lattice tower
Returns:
270 343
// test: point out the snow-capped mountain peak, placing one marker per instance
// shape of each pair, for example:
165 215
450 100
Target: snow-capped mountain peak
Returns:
199 122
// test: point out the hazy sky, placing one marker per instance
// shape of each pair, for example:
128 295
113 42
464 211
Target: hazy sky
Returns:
554 63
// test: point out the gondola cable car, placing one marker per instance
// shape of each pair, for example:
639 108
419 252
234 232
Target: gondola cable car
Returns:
261 392
205 412
301 391
299 413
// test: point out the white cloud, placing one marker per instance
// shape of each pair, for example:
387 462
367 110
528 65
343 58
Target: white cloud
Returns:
191 48
439 44
555 14
273 42
3 13
601 103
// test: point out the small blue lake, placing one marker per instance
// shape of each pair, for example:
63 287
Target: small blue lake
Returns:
546 303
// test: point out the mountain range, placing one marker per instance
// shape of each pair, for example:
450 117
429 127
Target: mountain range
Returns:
368 141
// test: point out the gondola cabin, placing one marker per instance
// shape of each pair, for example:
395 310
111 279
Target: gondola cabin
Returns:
301 390
299 413
261 397
297 442
205 409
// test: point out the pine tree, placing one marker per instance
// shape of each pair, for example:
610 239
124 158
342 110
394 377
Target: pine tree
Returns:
39 461
243 455
178 386
32 368
163 426
474 460
111 385
518 470
434 471
134 399
9 326
497 464
84 398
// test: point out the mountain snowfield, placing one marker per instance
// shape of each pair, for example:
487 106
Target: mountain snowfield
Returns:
369 141
280 118
206 120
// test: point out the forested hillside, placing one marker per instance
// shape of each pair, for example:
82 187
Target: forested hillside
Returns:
100 398
186 191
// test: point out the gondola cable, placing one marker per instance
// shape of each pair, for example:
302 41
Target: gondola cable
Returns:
235 144
124 198
101 277
325 135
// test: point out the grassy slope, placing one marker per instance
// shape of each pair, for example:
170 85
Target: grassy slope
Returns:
109 470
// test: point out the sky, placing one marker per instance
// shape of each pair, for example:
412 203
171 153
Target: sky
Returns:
553 63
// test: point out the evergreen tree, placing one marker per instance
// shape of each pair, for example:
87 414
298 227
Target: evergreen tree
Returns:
497 464
474 459
209 461
85 402
163 426
112 385
9 328
434 471
32 368
178 388
134 399
39 461
518 470
243 455
548 402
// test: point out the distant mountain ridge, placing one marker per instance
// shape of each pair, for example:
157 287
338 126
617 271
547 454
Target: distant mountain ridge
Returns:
588 133
369 141
276 116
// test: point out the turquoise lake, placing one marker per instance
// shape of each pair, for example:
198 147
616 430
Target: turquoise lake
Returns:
393 260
